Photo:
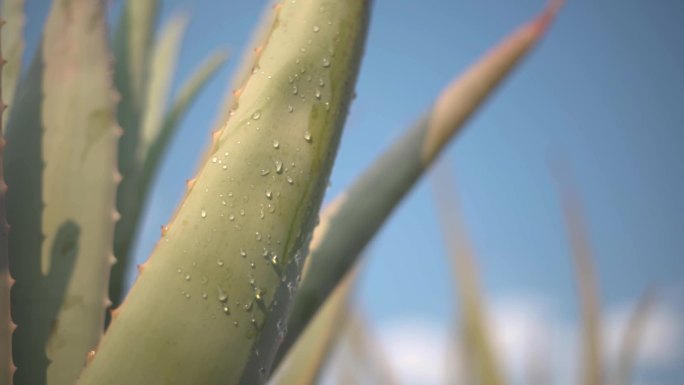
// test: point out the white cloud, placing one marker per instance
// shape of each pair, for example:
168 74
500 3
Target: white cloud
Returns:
526 331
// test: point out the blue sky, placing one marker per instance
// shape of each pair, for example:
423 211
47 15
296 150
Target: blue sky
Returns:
604 89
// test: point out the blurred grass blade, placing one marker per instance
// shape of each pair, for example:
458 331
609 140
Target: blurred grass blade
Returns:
479 356
587 279
365 347
305 361
220 281
12 13
6 281
162 67
373 197
633 337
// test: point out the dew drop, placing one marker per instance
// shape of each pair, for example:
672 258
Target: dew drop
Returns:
295 91
231 217
290 109
243 253
226 310
325 62
269 194
203 213
187 277
179 270
187 295
214 160
235 323
276 144
265 172
205 295
219 262
278 166
274 259
258 236
307 136
290 180
318 93
222 296
316 28
256 115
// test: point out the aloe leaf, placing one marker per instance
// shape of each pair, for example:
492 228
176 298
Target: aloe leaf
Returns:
367 204
162 68
365 347
480 360
61 159
633 337
207 304
186 96
132 48
587 279
6 281
12 13
305 361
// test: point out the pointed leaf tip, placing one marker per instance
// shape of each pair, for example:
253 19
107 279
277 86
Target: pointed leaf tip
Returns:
548 15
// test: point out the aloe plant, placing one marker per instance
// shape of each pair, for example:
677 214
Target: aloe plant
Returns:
212 303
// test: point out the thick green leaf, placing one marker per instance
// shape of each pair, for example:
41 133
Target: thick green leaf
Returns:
220 280
61 162
6 281
12 13
366 205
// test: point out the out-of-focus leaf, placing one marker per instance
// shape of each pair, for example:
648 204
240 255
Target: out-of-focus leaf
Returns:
162 68
373 197
6 281
186 96
304 362
633 337
480 360
12 14
132 50
365 348
587 279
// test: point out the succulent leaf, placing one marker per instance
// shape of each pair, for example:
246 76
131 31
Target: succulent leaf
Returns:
12 13
368 203
6 324
61 163
162 67
239 233
132 47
